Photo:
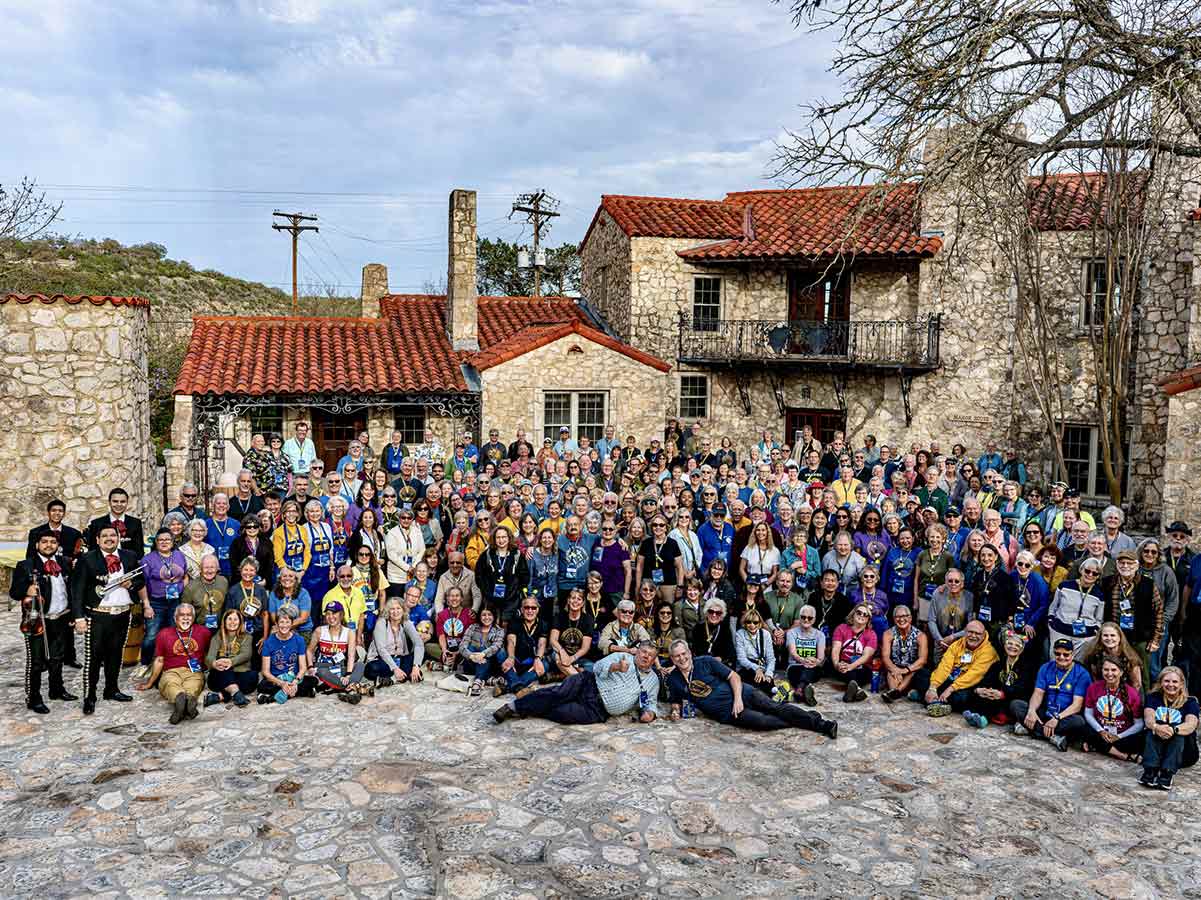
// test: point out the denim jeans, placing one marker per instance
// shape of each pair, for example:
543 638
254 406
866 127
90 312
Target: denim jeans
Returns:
164 616
520 675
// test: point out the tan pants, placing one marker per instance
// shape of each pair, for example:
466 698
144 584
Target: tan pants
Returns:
180 681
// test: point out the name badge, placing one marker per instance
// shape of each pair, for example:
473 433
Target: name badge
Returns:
174 591
657 576
321 559
985 614
548 591
210 621
335 670
572 571
965 658
1124 606
1079 629
1126 621
371 605
194 664
599 553
498 590
250 610
222 553
1019 620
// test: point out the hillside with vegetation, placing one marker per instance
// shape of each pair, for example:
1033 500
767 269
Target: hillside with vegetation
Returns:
176 291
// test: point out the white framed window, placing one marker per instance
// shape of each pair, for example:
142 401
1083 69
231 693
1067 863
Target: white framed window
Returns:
585 413
1096 303
410 422
694 396
706 302
1082 456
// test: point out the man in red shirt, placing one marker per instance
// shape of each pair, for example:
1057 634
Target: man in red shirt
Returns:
179 664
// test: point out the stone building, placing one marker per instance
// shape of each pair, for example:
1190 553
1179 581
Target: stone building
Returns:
409 362
789 307
74 400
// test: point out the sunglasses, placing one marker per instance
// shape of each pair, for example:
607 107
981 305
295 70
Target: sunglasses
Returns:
807 618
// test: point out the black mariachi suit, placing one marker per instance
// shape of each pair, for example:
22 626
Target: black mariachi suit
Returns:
58 630
104 643
134 540
68 539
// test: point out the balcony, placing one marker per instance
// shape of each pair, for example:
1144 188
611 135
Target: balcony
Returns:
911 345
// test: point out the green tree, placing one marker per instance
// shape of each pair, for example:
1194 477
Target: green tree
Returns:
497 272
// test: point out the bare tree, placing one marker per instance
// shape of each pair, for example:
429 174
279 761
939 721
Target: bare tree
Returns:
1033 91
25 213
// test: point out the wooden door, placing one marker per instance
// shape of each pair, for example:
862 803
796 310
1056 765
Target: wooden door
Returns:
822 297
332 434
824 423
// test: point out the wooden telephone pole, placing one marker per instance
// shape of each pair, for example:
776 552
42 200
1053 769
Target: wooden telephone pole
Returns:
538 206
294 228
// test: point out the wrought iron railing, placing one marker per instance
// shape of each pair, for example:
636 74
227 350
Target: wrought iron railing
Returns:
911 343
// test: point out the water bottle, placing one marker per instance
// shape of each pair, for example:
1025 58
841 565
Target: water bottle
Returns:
280 696
875 676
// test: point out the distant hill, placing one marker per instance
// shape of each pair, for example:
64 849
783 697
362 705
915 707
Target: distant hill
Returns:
176 291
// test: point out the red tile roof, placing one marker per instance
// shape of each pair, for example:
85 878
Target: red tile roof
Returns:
288 355
816 222
75 299
1181 381
822 222
535 336
405 351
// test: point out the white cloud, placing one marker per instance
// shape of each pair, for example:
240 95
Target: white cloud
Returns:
596 63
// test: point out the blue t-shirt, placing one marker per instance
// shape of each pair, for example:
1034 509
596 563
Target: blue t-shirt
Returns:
303 603
1168 715
574 559
284 655
709 688
1060 687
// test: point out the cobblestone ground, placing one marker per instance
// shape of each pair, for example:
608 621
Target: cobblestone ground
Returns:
415 793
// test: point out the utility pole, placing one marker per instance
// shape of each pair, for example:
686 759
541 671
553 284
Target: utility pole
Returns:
294 228
538 206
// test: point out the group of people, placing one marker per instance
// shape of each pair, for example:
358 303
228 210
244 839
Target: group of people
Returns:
738 579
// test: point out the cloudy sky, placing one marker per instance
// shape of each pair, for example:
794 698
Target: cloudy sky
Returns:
188 122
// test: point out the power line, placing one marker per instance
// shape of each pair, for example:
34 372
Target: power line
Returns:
247 192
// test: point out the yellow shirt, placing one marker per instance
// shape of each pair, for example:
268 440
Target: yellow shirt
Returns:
971 664
844 492
354 604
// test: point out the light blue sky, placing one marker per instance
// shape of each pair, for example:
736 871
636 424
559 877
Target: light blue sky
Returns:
383 108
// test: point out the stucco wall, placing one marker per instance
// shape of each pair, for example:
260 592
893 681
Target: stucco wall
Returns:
639 394
74 401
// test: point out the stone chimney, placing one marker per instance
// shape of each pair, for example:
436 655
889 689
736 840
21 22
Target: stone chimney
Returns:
461 299
375 285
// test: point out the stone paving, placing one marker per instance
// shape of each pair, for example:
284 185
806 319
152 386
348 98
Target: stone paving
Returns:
416 793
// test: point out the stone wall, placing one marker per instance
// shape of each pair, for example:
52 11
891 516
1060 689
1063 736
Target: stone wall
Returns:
639 394
74 401
1182 460
462 310
605 273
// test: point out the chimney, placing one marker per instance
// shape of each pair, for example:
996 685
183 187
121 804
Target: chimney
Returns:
375 285
461 306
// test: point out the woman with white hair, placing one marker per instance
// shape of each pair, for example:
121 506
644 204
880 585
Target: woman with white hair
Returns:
1078 607
196 547
318 578
713 635
1116 540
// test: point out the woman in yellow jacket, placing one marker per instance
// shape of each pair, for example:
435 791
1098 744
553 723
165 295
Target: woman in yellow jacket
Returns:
479 540
963 666
291 549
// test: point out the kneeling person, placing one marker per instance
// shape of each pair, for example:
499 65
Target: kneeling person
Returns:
616 685
720 694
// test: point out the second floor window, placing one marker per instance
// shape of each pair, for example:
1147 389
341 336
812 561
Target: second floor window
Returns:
1098 303
706 302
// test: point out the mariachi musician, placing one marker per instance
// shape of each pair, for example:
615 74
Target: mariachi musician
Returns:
129 528
105 583
39 584
70 545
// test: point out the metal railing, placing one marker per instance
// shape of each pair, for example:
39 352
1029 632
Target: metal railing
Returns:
912 343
